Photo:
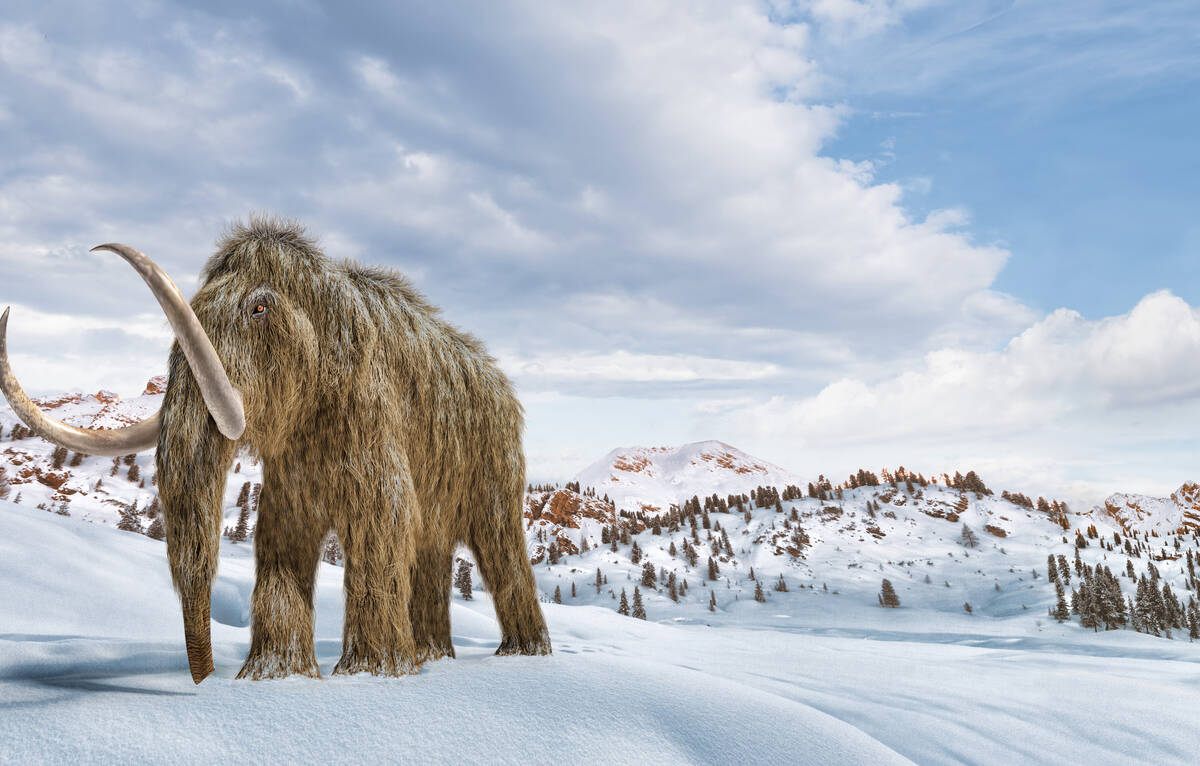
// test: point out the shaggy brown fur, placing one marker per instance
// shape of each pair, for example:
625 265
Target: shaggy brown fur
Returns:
374 418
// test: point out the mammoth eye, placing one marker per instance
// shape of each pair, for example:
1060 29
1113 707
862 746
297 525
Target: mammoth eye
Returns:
259 311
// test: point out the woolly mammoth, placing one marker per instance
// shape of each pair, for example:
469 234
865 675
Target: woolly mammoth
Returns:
372 416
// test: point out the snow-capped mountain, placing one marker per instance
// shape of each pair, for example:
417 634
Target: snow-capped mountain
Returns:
652 478
1162 515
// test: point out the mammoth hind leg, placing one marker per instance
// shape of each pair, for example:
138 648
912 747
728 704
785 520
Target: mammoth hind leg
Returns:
504 565
429 608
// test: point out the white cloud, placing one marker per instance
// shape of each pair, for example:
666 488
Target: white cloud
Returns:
1061 366
623 366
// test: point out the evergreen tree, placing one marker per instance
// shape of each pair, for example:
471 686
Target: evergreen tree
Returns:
1061 612
887 595
712 601
713 570
572 589
781 586
156 529
969 538
639 611
648 575
243 495
635 554
134 474
1145 609
557 594
462 580
624 607
242 531
599 579
967 607
1172 612
130 522
759 596
333 551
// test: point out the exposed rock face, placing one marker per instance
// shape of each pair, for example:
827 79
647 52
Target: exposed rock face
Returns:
566 518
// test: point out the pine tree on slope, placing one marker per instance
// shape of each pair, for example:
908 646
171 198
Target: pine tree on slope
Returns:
639 610
462 581
887 595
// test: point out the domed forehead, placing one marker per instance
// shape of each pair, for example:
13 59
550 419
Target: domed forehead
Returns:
265 250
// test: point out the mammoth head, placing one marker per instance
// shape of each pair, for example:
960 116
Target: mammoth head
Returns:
246 356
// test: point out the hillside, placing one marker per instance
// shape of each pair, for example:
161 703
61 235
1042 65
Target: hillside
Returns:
650 515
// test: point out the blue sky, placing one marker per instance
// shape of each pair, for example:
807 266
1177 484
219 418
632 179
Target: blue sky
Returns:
1066 129
837 233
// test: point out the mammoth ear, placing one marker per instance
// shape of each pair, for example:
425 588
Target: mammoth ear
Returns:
351 335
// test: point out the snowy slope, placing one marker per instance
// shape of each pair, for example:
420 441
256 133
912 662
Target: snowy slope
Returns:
655 477
92 669
913 537
89 626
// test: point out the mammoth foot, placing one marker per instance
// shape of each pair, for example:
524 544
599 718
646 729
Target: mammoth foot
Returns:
263 665
386 663
435 650
511 645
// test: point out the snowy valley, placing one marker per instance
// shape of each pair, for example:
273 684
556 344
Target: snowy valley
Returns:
764 635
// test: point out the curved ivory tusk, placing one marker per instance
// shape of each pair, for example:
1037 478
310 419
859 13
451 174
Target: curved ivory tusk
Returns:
118 441
223 400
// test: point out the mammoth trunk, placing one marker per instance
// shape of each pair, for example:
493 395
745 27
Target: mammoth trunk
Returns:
193 459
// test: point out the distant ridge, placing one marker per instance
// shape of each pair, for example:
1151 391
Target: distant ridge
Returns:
655 477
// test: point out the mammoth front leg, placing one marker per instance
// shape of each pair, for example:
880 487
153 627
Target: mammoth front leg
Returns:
377 539
430 607
287 548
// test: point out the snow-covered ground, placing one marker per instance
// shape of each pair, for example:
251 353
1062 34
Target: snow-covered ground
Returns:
92 669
